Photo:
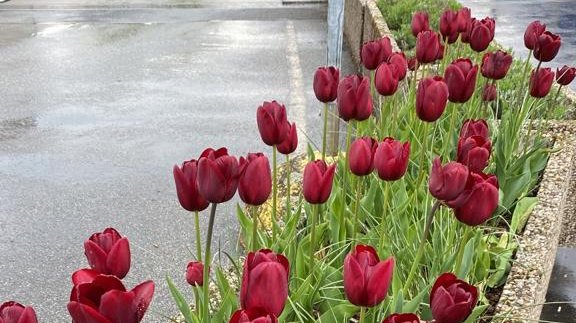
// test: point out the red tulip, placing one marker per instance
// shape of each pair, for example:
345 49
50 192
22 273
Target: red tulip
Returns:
399 60
105 300
317 182
427 46
460 76
265 282
541 82
476 204
402 318
475 128
489 92
547 46
354 99
326 81
272 123
474 152
12 312
386 80
243 316
195 273
412 63
289 144
449 25
361 156
217 175
255 182
440 54
419 22
533 31
451 299
366 278
391 159
187 186
565 75
464 19
481 33
375 52
431 98
448 181
495 65
108 253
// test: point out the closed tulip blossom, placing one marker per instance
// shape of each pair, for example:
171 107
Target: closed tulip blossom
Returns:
547 46
440 54
427 46
399 60
391 159
412 63
431 98
354 99
194 273
464 19
474 152
361 156
481 33
255 182
419 22
473 127
265 283
451 299
565 75
375 52
366 278
533 31
541 82
272 122
477 203
325 84
448 181
108 253
402 318
12 312
243 316
460 76
317 181
489 93
495 65
187 187
217 175
386 80
289 144
449 25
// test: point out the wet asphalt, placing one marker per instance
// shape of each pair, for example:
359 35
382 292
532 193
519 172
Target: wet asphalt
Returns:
100 99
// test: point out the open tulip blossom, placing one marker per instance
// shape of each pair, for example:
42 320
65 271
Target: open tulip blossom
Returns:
448 181
12 312
547 46
533 31
478 201
565 75
451 299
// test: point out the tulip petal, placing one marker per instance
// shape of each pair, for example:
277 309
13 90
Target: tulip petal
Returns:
119 306
118 260
143 297
81 313
354 281
211 181
84 276
268 288
96 256
28 316
379 280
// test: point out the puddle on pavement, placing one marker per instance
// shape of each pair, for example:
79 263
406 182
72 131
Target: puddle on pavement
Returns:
562 288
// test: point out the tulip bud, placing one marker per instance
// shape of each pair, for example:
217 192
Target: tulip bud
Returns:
476 204
475 128
547 46
464 19
326 81
265 282
489 93
448 181
449 25
391 159
402 318
361 156
451 299
272 123
399 60
385 80
108 253
541 82
187 186
255 182
366 278
12 312
412 63
431 98
460 76
419 22
243 316
565 75
375 52
474 152
317 181
495 65
289 144
427 46
481 33
354 99
217 175
195 273
533 31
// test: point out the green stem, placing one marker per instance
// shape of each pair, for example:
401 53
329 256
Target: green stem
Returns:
448 142
274 192
288 188
342 232
420 251
423 153
207 261
463 241
383 104
198 237
254 210
557 94
315 212
325 133
362 314
384 211
196 300
357 203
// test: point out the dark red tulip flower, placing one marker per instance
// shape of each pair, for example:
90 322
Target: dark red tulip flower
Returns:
108 253
427 47
565 75
326 81
217 175
547 46
448 181
489 92
272 122
265 282
476 204
481 33
495 65
187 186
354 99
451 299
289 144
474 152
194 273
361 156
104 299
391 159
419 22
243 316
460 76
472 127
12 312
412 63
431 98
317 181
402 318
449 25
255 182
541 82
399 60
366 278
533 31
440 55
386 80
375 52
464 19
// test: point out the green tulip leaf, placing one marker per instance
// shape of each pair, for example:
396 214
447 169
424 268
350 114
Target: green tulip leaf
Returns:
521 213
180 301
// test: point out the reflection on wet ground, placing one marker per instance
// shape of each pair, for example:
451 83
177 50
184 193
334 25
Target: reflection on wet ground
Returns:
561 297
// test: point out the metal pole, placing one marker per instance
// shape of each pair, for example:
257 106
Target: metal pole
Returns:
334 58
